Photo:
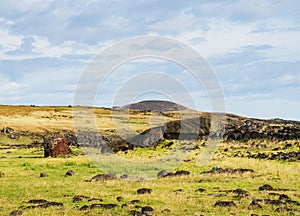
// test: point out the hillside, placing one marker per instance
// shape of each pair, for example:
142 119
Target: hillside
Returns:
155 106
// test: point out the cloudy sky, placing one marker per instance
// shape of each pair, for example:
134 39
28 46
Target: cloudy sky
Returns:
253 47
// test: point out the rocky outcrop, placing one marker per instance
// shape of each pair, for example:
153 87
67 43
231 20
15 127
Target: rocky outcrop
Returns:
243 129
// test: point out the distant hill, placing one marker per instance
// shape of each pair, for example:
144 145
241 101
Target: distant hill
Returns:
155 105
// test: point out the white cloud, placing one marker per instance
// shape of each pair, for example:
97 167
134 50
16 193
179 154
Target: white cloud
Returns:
252 45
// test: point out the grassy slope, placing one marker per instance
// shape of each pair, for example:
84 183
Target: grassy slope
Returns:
21 181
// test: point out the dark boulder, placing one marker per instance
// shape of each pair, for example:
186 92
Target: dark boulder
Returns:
103 177
265 187
147 210
144 191
43 175
16 212
225 204
69 173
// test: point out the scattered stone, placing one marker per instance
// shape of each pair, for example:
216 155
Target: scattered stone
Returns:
255 204
120 199
240 192
283 209
1 175
274 194
135 213
200 190
182 172
95 199
14 135
103 177
44 205
49 204
69 173
104 206
273 202
124 176
37 201
144 191
285 156
293 202
43 175
79 198
284 197
147 210
265 187
217 195
178 190
134 201
83 208
166 211
162 173
15 213
8 130
169 174
225 204
219 170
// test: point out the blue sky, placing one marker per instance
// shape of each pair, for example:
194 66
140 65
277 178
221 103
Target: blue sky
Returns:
253 47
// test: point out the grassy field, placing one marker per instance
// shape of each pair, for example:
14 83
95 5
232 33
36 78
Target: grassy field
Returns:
20 180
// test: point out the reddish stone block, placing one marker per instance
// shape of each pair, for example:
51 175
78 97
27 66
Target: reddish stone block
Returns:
55 146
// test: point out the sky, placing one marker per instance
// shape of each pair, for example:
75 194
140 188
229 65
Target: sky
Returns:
253 47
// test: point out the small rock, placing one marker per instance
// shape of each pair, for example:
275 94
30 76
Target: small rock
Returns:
1 175
79 198
240 192
120 199
15 213
134 201
162 173
178 190
200 190
37 201
284 197
43 175
103 177
95 199
255 204
135 213
104 206
182 172
165 211
144 191
124 176
273 202
45 205
225 204
69 173
265 187
147 210
83 208
217 195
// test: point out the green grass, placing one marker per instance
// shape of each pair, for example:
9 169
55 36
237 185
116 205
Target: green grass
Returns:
21 182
